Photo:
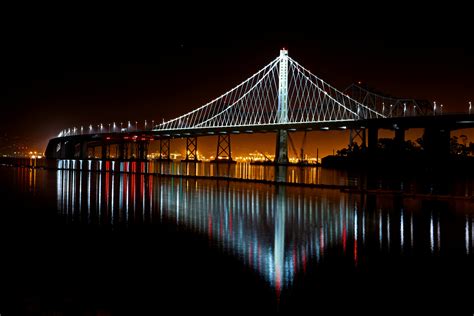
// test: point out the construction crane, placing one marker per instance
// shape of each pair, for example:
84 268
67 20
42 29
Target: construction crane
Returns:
301 155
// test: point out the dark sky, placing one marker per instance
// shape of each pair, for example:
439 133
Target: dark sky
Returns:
55 78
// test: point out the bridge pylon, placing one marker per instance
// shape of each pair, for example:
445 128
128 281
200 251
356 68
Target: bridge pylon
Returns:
281 153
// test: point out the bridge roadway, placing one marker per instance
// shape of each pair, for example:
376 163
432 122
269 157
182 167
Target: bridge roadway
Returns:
134 144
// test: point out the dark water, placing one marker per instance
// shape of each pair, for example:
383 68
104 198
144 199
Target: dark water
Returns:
78 242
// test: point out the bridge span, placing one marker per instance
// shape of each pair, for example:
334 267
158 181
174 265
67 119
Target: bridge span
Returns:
282 97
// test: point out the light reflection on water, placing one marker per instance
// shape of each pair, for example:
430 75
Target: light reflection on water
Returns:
278 231
245 171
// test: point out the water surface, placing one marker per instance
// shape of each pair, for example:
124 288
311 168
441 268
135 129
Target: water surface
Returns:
131 242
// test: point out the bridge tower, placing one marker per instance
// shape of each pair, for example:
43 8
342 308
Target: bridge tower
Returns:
281 154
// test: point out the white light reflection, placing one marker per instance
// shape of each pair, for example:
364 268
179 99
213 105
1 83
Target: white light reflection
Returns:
275 232
431 233
401 229
467 234
380 228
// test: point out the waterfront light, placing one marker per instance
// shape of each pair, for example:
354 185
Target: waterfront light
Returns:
470 107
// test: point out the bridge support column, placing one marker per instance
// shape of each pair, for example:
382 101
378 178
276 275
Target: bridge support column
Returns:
373 139
142 148
191 149
123 151
104 150
400 135
84 150
224 152
357 134
399 138
165 148
281 154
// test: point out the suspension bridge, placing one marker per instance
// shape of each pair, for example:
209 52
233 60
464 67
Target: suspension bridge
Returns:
280 98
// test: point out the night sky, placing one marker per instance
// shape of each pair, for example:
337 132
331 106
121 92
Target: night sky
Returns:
53 79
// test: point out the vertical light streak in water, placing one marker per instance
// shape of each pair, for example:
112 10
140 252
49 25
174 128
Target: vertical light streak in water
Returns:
120 196
363 226
279 246
73 192
411 230
178 190
142 185
438 234
66 190
431 233
150 195
472 231
99 189
88 195
402 232
126 180
80 188
355 237
161 188
467 234
388 231
380 228
112 197
59 189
